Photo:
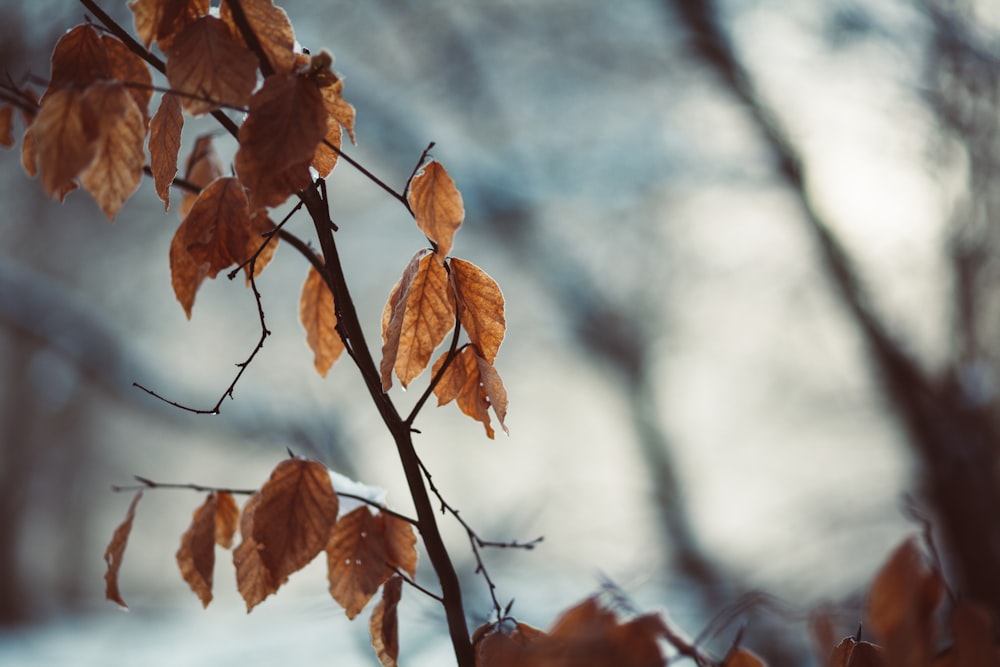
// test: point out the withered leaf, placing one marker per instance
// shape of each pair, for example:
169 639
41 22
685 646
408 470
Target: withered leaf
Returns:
126 67
318 316
590 636
480 307
28 148
80 58
64 138
340 113
161 21
253 579
383 626
227 516
475 385
116 169
115 552
278 140
901 605
361 552
437 206
208 63
325 158
165 144
217 233
196 555
297 511
273 30
202 167
6 126
419 314
973 630
500 646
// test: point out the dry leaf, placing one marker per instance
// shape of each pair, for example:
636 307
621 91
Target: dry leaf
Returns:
901 605
253 579
115 172
973 628
357 559
318 316
480 307
79 59
383 626
421 312
196 556
852 653
297 511
207 62
126 67
164 145
500 646
742 657
202 167
116 551
217 233
475 385
273 30
437 206
161 21
6 126
227 516
64 141
278 140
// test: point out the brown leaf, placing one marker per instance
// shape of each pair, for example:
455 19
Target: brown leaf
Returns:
297 511
28 148
116 169
500 646
164 145
383 626
202 167
357 559
437 206
973 628
196 556
116 551
253 579
126 67
273 30
278 140
217 233
79 59
65 138
208 62
161 21
6 126
901 606
340 113
742 657
480 307
475 385
325 158
421 312
227 516
318 316
852 653
400 543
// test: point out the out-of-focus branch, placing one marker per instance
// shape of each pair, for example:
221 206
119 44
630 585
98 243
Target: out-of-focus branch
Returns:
955 445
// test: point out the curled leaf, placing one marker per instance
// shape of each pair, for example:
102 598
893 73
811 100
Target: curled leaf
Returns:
253 579
480 307
196 555
475 385
164 145
318 316
383 626
115 551
272 28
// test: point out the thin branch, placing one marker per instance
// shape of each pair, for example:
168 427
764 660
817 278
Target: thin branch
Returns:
453 351
268 237
405 577
416 168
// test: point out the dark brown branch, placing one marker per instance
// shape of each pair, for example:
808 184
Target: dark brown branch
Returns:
453 351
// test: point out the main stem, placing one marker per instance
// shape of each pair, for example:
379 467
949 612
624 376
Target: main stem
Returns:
451 592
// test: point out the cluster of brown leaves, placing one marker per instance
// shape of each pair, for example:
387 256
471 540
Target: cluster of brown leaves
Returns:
284 526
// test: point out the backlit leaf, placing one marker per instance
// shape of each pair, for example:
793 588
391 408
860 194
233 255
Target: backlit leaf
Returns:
6 126
480 307
254 581
475 385
64 137
126 67
273 30
196 556
318 316
297 511
437 206
503 646
421 312
590 636
207 62
116 169
383 626
217 233
901 606
278 140
161 21
358 560
115 552
202 167
79 59
165 144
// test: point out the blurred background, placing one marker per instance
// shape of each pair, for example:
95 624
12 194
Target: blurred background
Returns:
749 253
